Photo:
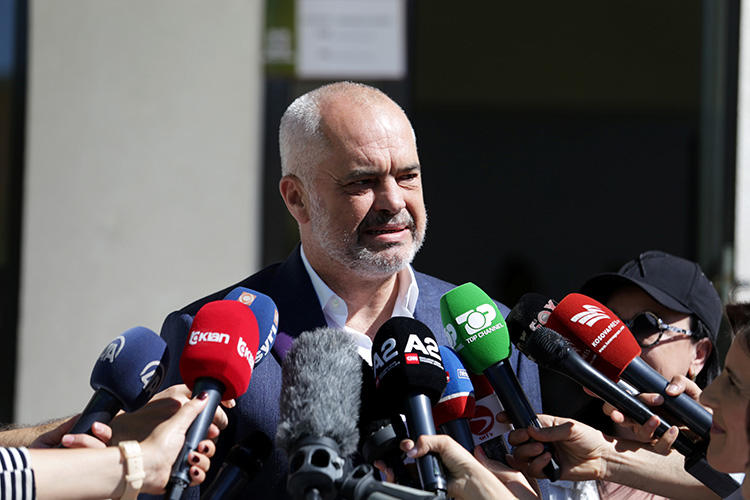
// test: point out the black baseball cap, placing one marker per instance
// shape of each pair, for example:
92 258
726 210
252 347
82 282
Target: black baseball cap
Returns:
676 283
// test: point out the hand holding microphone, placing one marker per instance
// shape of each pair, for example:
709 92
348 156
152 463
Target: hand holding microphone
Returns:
473 322
218 359
126 375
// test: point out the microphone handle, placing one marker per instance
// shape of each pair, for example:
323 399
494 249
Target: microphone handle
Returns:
419 421
575 368
102 407
683 408
460 431
514 401
180 478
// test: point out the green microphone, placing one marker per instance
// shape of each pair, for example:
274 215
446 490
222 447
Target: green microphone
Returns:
479 335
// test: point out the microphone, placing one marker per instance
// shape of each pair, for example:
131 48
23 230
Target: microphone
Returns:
243 463
486 430
266 314
218 359
613 350
318 411
127 374
477 329
410 377
550 350
456 406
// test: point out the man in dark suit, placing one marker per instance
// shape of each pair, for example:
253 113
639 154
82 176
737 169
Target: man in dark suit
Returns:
351 178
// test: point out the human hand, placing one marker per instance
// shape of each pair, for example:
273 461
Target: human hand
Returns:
140 423
163 445
468 478
59 436
581 449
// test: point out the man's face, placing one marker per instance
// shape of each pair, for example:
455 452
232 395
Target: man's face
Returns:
675 352
365 201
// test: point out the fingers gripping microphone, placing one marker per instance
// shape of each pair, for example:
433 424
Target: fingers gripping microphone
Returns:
242 465
410 377
472 321
319 408
126 375
612 349
551 350
456 406
218 359
266 314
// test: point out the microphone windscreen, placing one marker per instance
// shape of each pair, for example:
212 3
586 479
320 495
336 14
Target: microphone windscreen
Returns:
266 314
320 395
457 400
475 326
132 367
597 333
406 360
531 310
221 346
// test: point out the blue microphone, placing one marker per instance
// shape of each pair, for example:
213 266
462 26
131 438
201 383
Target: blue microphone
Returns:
127 374
456 406
266 314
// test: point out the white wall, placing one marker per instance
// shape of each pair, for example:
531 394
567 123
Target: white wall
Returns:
142 188
742 200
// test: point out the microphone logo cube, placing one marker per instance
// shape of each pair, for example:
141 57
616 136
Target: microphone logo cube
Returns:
246 298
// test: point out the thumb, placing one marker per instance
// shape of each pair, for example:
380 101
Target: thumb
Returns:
559 432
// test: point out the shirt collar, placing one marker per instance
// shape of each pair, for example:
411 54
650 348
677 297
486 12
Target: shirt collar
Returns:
336 311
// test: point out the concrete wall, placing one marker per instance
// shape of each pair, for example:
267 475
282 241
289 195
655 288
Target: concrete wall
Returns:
142 176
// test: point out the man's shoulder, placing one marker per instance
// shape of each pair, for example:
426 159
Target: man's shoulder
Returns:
432 288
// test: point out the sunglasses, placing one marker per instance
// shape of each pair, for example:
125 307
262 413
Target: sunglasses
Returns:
648 328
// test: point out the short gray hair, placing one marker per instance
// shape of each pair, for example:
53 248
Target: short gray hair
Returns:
302 143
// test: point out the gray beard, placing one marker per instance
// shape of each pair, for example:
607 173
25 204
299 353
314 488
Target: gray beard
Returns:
348 251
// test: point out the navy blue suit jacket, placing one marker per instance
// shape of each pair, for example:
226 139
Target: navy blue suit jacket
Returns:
289 285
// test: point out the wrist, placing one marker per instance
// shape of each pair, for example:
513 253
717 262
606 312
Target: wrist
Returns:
134 474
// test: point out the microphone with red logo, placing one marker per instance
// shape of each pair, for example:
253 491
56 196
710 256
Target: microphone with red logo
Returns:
456 406
472 321
526 323
218 359
485 428
607 343
126 375
266 314
410 377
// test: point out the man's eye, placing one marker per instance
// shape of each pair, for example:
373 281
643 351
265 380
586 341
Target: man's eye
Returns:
408 177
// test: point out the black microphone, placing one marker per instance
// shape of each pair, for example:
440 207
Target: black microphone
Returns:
410 377
551 350
126 375
592 326
242 464
318 411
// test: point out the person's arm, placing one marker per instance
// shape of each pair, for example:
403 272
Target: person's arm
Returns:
62 474
16 436
586 454
468 479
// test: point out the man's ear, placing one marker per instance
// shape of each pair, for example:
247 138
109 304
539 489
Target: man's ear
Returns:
702 351
295 198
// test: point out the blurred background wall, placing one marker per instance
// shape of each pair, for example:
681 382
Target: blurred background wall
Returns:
140 163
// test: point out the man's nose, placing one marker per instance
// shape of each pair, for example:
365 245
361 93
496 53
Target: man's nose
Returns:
389 196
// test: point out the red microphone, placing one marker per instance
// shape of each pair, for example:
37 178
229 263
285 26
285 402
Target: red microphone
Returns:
218 359
486 430
607 344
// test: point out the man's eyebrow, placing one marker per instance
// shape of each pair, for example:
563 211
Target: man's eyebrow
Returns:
360 172
737 380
